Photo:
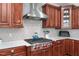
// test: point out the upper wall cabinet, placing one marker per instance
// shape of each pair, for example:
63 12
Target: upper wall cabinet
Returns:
11 15
53 14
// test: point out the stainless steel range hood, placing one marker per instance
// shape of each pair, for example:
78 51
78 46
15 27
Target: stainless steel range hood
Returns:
35 13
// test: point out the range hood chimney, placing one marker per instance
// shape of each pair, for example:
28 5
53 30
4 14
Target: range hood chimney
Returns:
35 13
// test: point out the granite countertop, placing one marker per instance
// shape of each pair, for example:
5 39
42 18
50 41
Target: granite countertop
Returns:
60 38
16 43
11 44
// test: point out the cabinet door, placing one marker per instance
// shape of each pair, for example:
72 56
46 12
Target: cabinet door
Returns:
75 48
11 15
74 18
49 11
58 50
69 47
5 14
58 18
17 15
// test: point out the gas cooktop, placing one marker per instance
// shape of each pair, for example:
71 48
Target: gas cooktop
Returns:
40 40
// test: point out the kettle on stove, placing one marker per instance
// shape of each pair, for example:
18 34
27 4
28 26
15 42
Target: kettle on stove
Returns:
35 36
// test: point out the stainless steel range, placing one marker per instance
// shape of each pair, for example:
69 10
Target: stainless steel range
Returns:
40 43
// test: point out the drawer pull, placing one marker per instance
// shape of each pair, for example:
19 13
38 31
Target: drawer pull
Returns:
12 51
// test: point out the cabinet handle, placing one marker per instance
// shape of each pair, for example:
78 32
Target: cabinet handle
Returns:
12 50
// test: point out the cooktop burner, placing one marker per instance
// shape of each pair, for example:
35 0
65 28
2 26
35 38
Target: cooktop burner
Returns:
40 40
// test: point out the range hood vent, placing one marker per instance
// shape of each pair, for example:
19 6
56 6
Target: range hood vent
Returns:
35 13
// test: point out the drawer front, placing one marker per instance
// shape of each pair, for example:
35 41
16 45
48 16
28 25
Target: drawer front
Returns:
19 49
13 51
36 53
5 52
20 54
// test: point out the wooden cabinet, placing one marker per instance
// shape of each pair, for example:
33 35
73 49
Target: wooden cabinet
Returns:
17 14
58 48
16 51
61 17
65 47
11 15
53 14
69 47
75 17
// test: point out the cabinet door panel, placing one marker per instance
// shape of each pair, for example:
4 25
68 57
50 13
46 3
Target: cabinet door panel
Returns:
11 15
4 22
53 14
75 18
17 15
52 18
69 47
49 11
58 18
46 22
60 50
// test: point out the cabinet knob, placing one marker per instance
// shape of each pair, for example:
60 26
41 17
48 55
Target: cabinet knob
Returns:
12 50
